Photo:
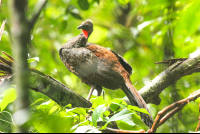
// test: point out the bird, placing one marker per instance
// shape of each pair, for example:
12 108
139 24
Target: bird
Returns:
100 67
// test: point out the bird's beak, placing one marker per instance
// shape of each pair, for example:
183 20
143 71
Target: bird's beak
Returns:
80 27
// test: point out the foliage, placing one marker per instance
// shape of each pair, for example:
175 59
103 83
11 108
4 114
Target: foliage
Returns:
142 31
49 117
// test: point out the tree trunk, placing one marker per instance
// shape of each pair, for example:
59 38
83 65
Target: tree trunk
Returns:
20 34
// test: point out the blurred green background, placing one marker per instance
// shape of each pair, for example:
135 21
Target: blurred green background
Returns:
142 31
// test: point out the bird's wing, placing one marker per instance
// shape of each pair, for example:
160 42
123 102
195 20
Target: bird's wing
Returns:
109 69
123 61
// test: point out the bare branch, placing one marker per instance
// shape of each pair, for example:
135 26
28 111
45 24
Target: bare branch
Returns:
170 114
38 8
175 107
57 91
171 61
179 69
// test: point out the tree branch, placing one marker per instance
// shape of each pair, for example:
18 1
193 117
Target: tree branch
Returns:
179 69
38 8
175 107
45 84
170 114
56 90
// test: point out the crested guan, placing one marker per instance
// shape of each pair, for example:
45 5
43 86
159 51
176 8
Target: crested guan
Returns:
99 67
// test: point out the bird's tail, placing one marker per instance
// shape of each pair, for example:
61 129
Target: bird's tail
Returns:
133 96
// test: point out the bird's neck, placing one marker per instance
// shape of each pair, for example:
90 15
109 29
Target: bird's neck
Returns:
86 33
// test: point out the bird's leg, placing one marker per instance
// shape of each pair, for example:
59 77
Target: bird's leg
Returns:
99 90
90 93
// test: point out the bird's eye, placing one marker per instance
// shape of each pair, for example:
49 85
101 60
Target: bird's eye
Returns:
87 27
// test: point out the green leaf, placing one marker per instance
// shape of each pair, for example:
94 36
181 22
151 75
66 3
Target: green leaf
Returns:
97 101
69 9
76 15
77 110
68 106
138 109
46 106
38 100
124 115
127 125
53 109
114 106
126 119
137 120
9 96
84 123
73 11
45 123
188 23
83 4
33 59
106 113
98 112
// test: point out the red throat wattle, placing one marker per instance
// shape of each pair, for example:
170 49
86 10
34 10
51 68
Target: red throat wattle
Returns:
85 33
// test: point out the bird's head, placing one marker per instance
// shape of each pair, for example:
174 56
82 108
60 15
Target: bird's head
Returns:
87 28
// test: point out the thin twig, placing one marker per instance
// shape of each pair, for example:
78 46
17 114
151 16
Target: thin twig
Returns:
169 115
40 5
123 131
2 26
10 57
